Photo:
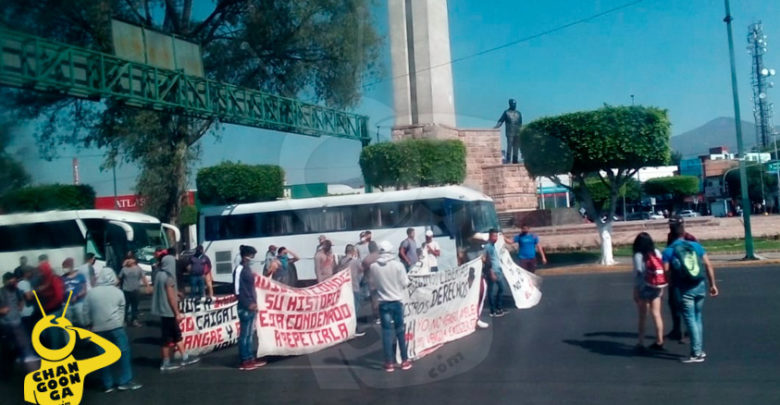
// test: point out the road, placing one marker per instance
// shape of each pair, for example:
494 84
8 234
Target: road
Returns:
576 346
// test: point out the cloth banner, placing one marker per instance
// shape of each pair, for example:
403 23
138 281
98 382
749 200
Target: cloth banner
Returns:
525 286
441 307
209 324
295 321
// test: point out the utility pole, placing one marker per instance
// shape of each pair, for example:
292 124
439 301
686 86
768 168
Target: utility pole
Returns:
749 254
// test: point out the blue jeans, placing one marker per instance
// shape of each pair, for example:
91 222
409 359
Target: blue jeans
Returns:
246 334
692 301
197 286
391 315
122 368
495 293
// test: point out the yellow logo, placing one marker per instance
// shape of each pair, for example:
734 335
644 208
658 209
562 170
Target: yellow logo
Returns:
60 379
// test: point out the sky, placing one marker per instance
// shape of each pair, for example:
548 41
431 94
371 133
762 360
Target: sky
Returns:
667 53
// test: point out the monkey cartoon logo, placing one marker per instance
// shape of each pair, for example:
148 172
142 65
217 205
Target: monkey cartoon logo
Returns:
60 379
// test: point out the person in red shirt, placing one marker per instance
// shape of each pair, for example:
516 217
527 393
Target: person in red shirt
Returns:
51 292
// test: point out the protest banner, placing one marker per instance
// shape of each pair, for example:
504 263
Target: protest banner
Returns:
294 321
525 286
209 324
441 307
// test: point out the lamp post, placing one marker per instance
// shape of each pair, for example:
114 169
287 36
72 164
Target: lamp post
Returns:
749 254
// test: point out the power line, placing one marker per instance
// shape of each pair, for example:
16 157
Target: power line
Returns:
515 42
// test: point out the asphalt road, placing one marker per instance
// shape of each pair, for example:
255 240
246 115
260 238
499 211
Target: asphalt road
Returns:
575 347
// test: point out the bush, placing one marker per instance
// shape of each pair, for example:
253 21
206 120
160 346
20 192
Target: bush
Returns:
414 162
236 183
49 197
188 215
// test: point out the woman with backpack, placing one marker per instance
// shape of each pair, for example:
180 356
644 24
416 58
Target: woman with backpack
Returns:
649 282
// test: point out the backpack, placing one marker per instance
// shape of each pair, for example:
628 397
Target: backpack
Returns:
686 264
198 266
655 276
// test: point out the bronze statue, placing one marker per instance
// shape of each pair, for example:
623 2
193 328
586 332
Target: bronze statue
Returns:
513 120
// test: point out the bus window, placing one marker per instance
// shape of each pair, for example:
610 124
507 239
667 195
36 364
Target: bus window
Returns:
483 215
92 247
327 219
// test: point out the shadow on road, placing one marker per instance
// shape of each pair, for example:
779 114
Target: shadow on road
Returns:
615 348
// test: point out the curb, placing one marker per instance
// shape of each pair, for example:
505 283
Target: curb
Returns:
624 268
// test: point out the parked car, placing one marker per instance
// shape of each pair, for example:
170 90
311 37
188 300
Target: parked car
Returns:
643 215
688 214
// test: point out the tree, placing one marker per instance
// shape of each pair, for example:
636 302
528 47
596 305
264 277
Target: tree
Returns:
631 190
609 144
13 175
676 158
674 187
320 49
49 197
756 193
414 162
236 183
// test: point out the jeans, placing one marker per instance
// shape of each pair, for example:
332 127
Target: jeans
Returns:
122 368
675 311
391 315
495 293
131 305
246 334
197 286
692 301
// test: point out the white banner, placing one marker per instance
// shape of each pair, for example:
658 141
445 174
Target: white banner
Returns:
525 286
441 307
208 324
294 321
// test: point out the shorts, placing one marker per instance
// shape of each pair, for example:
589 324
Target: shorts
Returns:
171 333
528 264
650 293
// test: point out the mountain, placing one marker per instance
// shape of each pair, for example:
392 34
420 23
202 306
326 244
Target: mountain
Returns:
718 132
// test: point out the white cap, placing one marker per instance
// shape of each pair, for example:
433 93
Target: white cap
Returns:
385 246
429 233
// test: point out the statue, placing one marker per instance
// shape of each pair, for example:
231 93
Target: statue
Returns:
513 120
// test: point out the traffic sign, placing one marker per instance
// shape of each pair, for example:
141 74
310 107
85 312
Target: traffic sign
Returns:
773 166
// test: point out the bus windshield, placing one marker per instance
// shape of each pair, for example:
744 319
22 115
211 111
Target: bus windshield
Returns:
147 238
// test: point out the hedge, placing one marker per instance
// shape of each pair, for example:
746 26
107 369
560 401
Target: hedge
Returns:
414 162
49 197
236 183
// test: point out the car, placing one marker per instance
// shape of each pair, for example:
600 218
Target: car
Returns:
688 214
655 215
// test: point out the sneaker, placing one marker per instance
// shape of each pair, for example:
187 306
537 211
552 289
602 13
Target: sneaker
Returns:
189 360
109 390
131 386
500 313
406 365
248 366
169 367
492 314
260 362
378 321
703 355
482 324
694 359
389 367
360 333
656 347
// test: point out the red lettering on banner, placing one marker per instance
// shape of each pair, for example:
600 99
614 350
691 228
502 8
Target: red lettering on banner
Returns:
187 324
343 331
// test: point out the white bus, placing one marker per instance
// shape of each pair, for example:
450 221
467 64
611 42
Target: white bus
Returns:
61 234
453 213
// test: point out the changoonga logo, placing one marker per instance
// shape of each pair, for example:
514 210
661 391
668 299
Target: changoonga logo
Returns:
60 379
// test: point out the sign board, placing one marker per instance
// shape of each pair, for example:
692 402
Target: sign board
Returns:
142 45
773 166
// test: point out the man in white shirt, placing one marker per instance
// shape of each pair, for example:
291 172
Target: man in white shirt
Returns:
430 252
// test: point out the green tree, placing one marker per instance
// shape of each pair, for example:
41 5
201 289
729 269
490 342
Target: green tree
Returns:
674 187
321 50
236 183
13 175
49 197
676 158
631 190
609 144
414 162
755 173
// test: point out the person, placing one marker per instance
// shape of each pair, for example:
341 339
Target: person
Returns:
513 120
129 256
49 287
362 246
371 258
132 278
197 267
19 270
390 279
169 263
244 289
527 248
286 258
685 259
87 269
270 257
350 262
494 275
647 296
14 340
75 283
105 304
28 310
675 309
430 252
324 261
320 243
165 305
407 251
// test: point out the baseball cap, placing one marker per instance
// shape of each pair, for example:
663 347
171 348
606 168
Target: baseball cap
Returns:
429 233
385 246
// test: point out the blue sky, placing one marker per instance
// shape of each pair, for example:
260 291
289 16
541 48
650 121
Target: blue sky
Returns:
667 53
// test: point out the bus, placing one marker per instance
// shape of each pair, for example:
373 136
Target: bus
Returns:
455 214
108 234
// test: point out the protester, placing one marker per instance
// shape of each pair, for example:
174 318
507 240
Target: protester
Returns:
244 288
75 283
270 257
407 251
494 275
390 279
351 263
675 305
362 246
687 260
105 305
320 243
197 267
129 256
649 284
430 252
286 259
87 269
132 278
19 270
165 305
170 266
371 258
15 341
25 287
324 261
527 248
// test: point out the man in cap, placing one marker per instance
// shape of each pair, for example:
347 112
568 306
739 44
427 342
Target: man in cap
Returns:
390 279
430 252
